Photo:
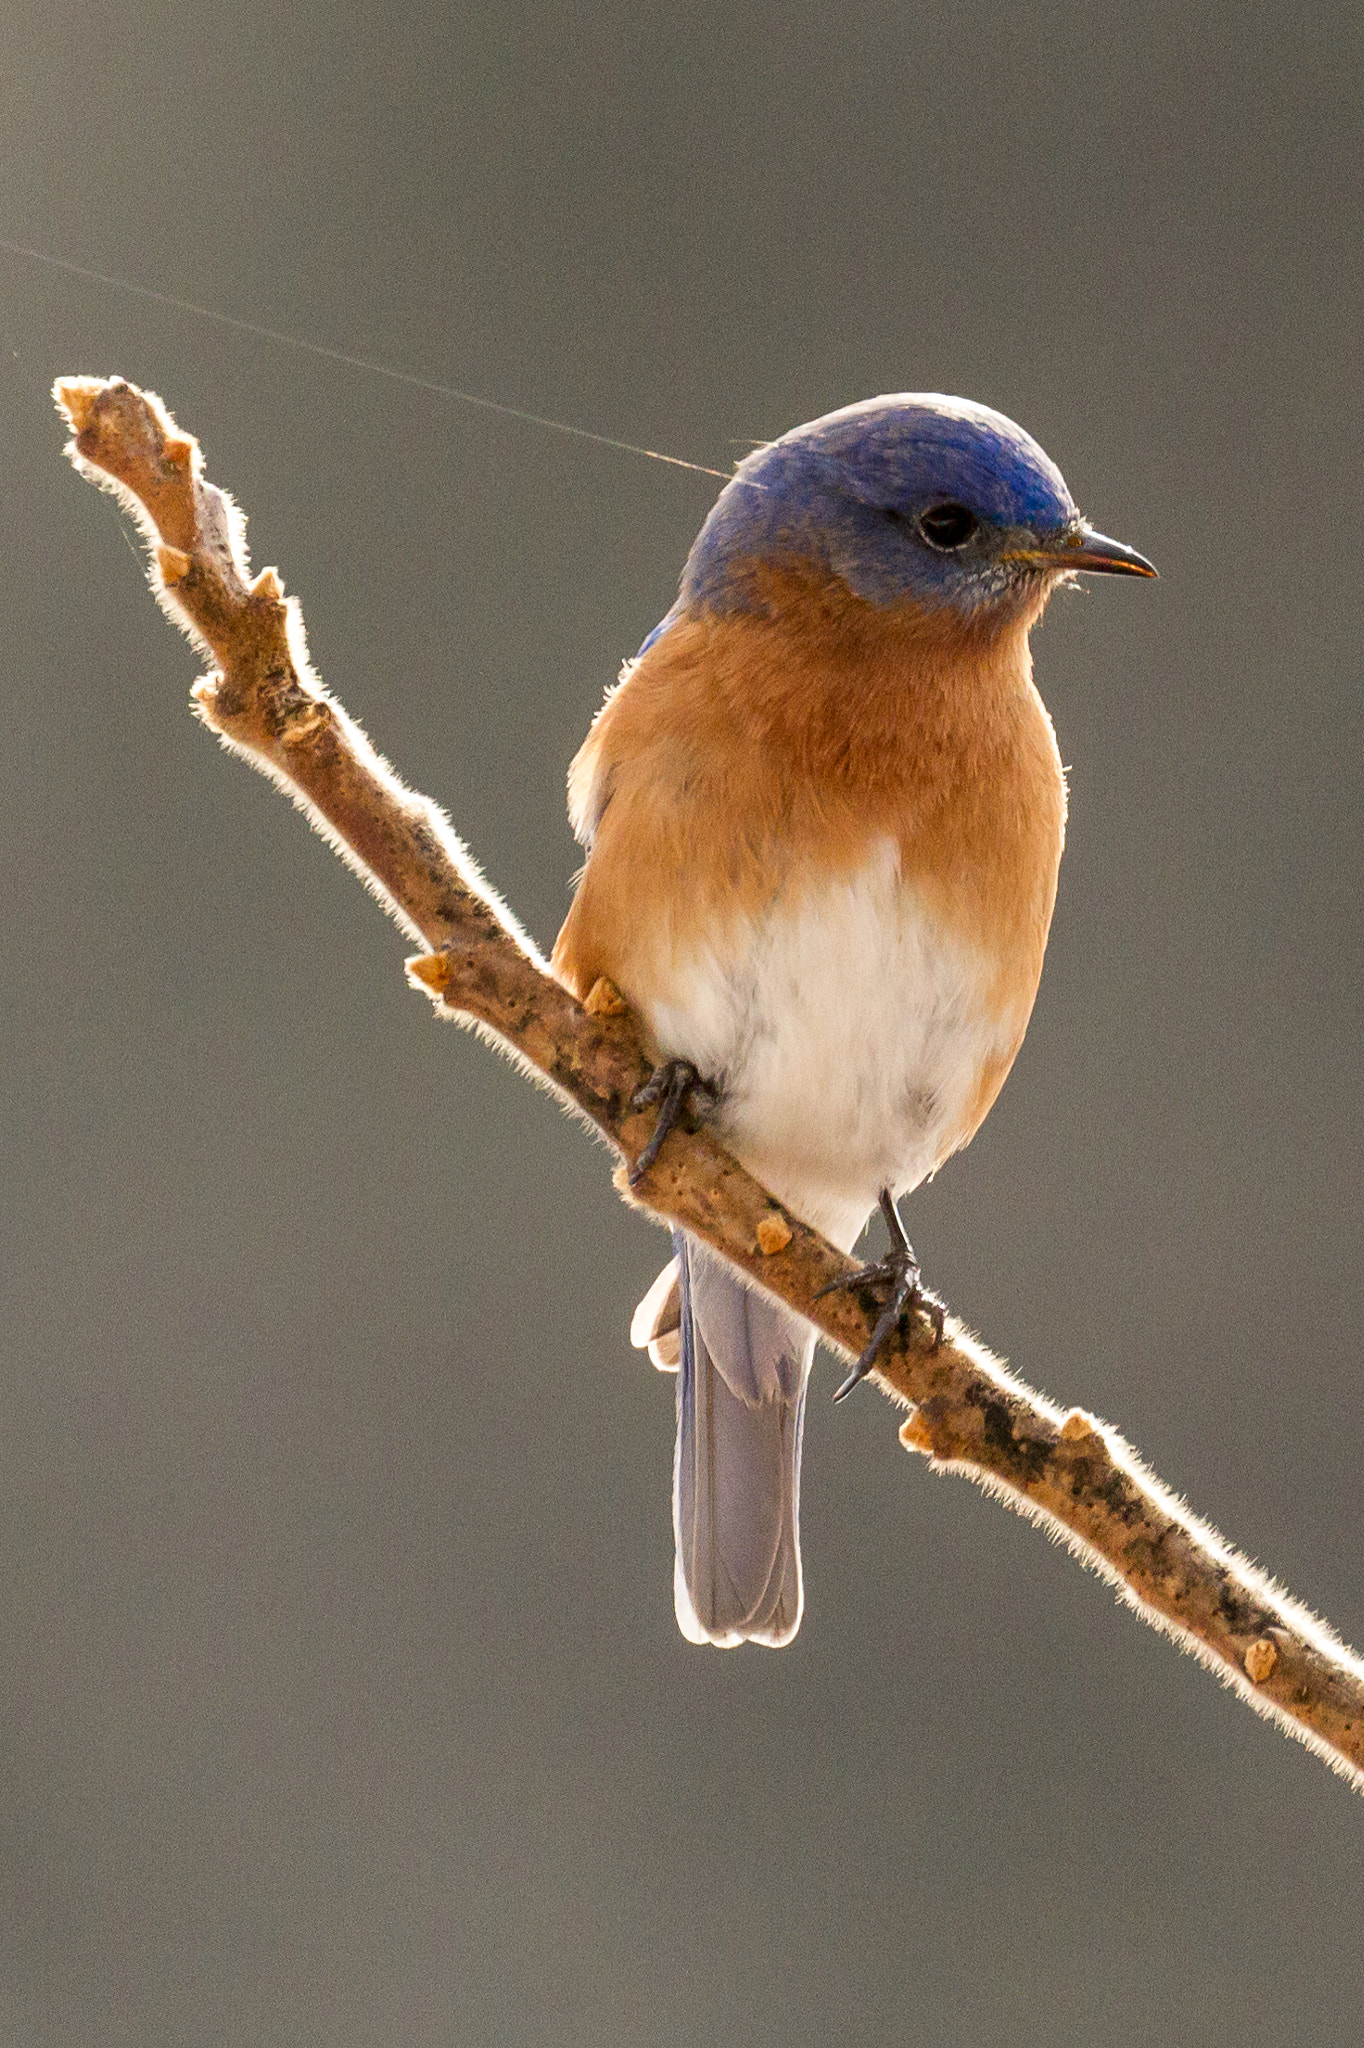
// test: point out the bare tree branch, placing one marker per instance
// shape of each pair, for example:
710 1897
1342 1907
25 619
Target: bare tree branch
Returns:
1074 1475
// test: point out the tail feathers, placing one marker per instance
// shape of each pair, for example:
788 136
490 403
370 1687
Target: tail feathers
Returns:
656 1326
736 1478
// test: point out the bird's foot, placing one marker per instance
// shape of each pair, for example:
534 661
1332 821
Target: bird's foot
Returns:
674 1086
898 1274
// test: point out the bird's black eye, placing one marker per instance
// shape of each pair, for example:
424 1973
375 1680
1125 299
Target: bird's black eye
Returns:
949 526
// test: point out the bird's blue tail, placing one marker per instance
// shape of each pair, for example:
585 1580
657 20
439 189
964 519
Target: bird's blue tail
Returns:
736 1477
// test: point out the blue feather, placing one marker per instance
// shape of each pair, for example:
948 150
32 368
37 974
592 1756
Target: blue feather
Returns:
842 495
741 1384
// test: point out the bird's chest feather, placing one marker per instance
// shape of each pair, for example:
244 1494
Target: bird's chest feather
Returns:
851 1032
823 866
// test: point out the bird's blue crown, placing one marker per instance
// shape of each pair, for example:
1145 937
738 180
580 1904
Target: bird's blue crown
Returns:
913 498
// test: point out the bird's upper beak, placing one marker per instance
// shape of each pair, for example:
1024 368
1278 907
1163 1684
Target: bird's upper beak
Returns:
1083 548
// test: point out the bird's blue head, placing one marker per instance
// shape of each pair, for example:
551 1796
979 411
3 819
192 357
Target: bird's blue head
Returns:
913 499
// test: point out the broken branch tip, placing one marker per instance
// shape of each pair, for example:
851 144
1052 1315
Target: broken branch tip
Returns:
1260 1660
914 1435
75 396
773 1234
604 999
430 971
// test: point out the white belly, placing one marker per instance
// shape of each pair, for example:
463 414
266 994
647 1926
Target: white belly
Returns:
848 1031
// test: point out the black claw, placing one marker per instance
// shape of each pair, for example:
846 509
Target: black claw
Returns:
899 1272
670 1086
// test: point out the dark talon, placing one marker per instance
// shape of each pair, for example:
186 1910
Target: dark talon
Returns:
899 1271
669 1086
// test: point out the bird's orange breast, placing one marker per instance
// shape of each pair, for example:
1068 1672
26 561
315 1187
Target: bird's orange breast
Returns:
766 754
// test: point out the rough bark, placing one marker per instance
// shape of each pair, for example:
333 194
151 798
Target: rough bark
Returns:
1069 1472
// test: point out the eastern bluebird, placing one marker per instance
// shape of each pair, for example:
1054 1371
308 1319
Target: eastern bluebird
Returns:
824 812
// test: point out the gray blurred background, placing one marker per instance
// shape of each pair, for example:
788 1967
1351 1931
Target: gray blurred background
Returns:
341 1700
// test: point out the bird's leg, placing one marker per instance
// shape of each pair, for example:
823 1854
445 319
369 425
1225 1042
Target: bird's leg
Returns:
898 1273
672 1087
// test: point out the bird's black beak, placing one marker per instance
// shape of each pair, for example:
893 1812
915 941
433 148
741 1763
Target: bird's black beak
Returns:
1108 557
1083 548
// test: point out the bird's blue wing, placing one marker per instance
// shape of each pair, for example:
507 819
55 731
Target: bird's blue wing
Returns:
736 1476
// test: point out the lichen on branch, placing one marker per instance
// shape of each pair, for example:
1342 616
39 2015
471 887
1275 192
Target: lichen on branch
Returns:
1074 1475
